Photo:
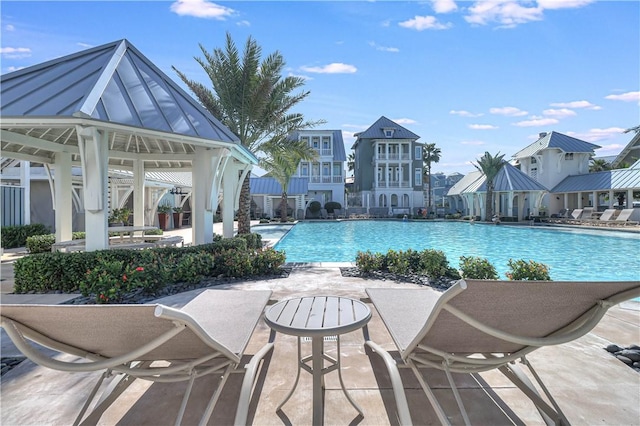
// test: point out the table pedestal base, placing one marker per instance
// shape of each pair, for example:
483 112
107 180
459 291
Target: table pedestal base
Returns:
318 370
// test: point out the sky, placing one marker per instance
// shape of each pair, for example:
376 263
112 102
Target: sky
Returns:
469 76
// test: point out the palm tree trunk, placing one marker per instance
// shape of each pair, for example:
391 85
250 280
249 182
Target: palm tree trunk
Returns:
244 207
489 204
429 193
283 207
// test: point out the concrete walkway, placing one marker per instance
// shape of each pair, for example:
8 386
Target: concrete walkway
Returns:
590 385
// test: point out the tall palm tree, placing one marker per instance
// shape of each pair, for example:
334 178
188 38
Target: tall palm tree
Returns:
281 162
252 98
430 154
351 162
490 166
599 165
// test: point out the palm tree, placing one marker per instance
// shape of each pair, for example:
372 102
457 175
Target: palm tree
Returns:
252 98
351 162
490 167
430 154
599 165
281 162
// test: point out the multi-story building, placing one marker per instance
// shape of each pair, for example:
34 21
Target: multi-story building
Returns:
326 174
388 168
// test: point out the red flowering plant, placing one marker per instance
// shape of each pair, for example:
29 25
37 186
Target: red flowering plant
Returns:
106 281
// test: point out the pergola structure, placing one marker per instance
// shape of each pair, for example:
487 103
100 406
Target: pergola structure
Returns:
109 107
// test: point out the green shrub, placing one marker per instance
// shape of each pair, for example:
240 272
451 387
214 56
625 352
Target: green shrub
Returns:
521 270
434 264
157 231
477 268
368 262
397 262
193 267
330 206
43 243
254 240
16 236
315 206
268 261
106 281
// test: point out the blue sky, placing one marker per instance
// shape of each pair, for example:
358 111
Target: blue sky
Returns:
471 76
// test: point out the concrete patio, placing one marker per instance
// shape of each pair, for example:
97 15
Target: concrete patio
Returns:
590 385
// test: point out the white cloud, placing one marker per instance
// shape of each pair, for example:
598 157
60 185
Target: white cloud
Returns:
611 149
243 23
626 97
482 127
536 121
508 13
15 52
383 48
201 9
12 69
508 111
563 4
84 45
444 6
334 68
9 27
575 105
475 143
463 113
421 23
305 77
559 113
404 121
595 135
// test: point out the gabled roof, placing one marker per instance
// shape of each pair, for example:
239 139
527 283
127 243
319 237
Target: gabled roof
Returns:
376 131
464 183
631 152
113 83
270 186
599 181
558 141
509 179
339 153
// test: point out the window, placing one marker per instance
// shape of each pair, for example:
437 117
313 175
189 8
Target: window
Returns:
304 169
418 153
315 142
388 133
418 176
305 139
326 142
533 160
568 156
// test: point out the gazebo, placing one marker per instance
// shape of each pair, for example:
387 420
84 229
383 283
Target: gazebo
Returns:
109 107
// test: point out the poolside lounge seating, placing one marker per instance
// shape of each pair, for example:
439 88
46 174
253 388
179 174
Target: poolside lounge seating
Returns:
478 326
339 213
324 214
572 218
604 218
623 218
137 341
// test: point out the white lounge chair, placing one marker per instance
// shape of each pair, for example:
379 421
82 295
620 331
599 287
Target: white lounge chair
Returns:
623 218
477 326
207 336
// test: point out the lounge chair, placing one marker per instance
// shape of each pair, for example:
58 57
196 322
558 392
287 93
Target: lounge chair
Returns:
604 218
623 218
324 214
478 326
574 217
206 336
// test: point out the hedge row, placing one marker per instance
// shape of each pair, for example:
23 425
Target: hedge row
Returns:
16 236
434 264
108 275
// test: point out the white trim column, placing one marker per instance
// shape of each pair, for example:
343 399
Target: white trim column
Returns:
25 183
94 157
63 201
230 184
138 193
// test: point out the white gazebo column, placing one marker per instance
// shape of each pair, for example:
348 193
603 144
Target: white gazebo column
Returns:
63 194
580 203
594 197
208 169
25 183
510 204
565 200
138 193
95 174
629 198
229 187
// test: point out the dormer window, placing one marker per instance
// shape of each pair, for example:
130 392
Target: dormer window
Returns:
533 160
568 156
388 133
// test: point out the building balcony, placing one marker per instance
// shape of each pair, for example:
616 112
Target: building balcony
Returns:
393 184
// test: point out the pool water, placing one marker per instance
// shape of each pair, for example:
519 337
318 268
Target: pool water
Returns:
571 254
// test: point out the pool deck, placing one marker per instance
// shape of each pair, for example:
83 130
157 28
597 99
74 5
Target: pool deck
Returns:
590 385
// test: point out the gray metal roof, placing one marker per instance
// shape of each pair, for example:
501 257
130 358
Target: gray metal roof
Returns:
599 181
114 83
630 153
339 153
376 131
558 141
509 179
464 183
270 186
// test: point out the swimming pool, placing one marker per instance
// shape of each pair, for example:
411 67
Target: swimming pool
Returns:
571 254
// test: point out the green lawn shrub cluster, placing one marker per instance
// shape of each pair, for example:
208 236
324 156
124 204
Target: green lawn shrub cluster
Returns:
434 264
331 206
108 275
16 236
43 243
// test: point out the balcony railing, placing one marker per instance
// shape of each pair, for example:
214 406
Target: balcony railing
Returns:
393 184
392 157
326 179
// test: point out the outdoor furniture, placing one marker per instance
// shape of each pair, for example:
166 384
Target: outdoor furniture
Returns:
173 241
478 326
131 230
623 218
127 341
317 317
